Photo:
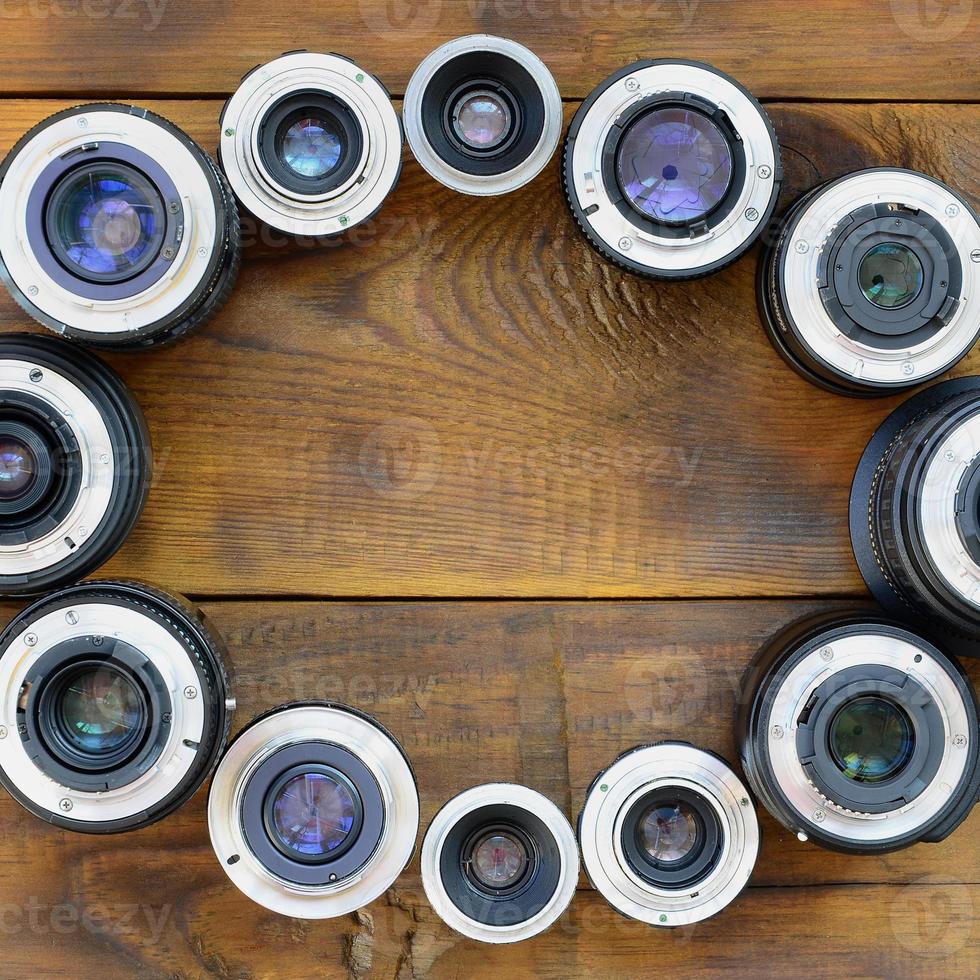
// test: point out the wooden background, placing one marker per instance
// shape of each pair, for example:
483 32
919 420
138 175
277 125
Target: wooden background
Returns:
527 510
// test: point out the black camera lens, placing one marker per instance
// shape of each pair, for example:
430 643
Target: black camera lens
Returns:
915 511
672 169
859 734
75 463
119 698
116 228
869 284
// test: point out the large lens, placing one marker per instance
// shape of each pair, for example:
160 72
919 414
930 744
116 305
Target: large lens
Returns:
106 221
499 860
871 739
312 145
675 165
99 710
482 120
891 275
668 832
313 814
17 468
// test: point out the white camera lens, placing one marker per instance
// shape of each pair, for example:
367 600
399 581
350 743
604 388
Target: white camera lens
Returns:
114 703
500 863
672 169
314 810
116 228
668 834
311 144
870 286
483 115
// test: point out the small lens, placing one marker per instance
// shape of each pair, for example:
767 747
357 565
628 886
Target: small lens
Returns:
18 467
312 147
675 165
314 814
668 832
482 120
100 711
499 860
871 739
891 276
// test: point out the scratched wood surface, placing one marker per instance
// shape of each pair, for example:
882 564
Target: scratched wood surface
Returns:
462 405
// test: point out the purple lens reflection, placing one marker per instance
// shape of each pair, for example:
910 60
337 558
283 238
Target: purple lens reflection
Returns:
314 814
675 165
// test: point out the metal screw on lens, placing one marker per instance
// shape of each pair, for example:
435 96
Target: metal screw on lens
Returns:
36 375
752 214
975 255
190 693
777 731
173 207
765 172
959 741
744 801
908 368
952 211
802 247
33 290
168 253
949 455
83 123
66 805
626 243
104 459
632 85
3 731
71 617
827 653
31 639
229 132
819 816
97 641
663 918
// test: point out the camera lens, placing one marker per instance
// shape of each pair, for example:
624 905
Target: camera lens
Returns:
118 697
75 463
668 834
869 286
311 144
314 810
915 510
672 169
859 734
483 115
499 863
119 230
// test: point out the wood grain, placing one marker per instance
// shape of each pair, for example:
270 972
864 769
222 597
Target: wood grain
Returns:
854 49
541 693
464 400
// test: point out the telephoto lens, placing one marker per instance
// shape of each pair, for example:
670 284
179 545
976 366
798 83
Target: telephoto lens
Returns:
116 229
500 863
314 810
672 169
114 703
871 284
311 144
915 511
669 835
483 115
860 735
75 463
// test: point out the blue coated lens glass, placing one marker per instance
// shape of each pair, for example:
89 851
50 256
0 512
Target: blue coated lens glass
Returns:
100 711
312 147
313 814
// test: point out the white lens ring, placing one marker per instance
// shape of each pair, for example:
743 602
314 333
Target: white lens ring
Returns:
331 724
634 775
492 795
811 234
482 185
374 176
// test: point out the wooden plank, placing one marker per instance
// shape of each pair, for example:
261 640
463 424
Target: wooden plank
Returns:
875 49
464 400
543 693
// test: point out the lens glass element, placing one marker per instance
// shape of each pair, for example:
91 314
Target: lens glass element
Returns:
499 860
482 120
99 710
891 275
668 832
17 468
313 814
674 165
871 739
312 146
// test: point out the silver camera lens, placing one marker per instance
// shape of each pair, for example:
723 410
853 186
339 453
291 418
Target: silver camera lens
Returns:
75 463
314 810
915 509
499 863
869 286
113 704
668 834
116 228
859 734
311 144
672 169
483 115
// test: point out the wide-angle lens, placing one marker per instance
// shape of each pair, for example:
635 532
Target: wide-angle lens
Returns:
871 739
17 468
314 813
311 146
482 120
99 710
668 832
891 275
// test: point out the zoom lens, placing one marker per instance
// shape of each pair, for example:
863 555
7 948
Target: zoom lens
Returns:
668 834
672 169
75 463
869 286
499 863
311 144
314 810
118 697
860 735
483 115
118 230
